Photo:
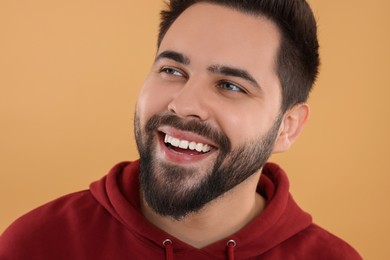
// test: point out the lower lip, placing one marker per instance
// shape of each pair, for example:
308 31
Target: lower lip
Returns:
180 158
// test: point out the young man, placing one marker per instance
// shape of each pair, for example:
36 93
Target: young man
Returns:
227 88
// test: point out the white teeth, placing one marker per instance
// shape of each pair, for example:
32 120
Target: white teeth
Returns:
175 142
199 147
184 144
206 148
192 146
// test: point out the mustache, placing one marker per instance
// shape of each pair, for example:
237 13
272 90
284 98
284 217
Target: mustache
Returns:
190 125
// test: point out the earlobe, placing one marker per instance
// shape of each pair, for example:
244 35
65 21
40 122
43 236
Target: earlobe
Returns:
291 127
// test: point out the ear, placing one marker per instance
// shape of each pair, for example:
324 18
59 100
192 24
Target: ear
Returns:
291 127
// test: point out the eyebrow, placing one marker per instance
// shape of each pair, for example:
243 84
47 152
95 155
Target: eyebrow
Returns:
234 72
216 69
178 57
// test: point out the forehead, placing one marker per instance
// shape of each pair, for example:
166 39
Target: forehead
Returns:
213 34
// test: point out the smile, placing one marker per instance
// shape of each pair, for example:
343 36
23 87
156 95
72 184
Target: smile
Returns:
187 145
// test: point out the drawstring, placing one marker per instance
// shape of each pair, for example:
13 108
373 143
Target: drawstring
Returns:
168 249
231 244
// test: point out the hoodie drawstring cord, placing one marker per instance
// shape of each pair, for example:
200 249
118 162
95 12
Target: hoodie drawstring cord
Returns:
231 244
168 249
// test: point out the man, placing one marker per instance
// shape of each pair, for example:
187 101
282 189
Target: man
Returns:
228 87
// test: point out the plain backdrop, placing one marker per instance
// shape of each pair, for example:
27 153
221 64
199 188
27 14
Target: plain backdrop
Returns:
70 72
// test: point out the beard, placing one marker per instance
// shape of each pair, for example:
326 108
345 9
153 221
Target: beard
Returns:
175 191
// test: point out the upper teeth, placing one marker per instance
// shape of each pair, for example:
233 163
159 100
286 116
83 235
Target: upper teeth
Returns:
184 144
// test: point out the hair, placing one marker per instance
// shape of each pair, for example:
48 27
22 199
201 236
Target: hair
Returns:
297 59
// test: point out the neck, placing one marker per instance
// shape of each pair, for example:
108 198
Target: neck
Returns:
217 220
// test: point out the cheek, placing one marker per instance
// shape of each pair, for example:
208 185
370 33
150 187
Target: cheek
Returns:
241 126
235 125
151 101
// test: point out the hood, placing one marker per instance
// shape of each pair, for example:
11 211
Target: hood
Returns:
118 193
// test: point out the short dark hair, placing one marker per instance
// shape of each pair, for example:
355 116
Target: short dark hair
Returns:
297 60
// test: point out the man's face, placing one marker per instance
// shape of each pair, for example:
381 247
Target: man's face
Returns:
208 113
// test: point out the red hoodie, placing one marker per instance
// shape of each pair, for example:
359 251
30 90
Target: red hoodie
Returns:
105 222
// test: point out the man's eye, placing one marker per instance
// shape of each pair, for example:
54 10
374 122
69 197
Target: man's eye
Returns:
172 71
230 86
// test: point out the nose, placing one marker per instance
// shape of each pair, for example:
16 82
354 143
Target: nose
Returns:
190 101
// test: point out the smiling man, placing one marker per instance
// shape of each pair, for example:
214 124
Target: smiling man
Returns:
228 88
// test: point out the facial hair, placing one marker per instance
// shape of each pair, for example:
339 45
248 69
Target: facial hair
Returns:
165 186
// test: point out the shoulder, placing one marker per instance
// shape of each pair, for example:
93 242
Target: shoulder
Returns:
51 223
59 210
318 243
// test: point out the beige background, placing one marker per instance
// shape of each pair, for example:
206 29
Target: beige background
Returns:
69 76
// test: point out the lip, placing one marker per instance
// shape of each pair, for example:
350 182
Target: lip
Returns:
182 158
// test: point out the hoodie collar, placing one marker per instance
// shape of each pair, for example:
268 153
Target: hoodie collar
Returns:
118 192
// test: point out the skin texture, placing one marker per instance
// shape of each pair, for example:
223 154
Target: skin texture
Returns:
218 70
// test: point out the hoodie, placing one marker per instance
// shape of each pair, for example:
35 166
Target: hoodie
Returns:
105 222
